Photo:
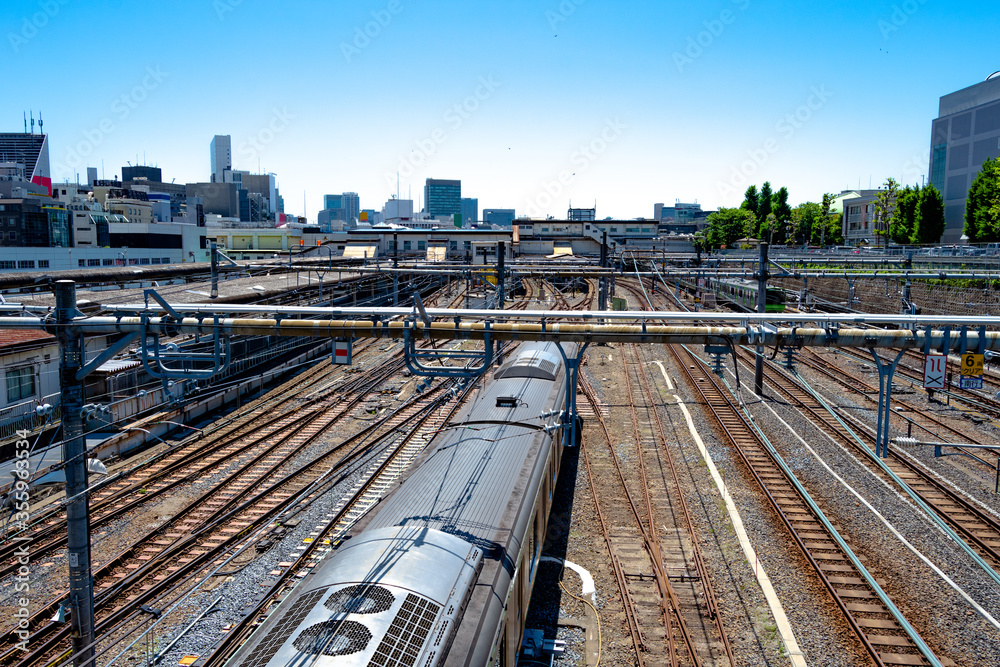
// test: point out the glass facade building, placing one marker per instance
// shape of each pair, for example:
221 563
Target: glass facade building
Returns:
963 136
442 197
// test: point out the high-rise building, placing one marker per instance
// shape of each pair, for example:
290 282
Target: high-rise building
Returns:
965 133
344 208
502 217
222 156
470 210
30 153
91 176
442 197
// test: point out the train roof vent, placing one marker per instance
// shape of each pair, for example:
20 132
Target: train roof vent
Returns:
278 635
405 638
333 637
361 599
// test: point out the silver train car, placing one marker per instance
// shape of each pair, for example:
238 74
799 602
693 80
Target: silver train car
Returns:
442 572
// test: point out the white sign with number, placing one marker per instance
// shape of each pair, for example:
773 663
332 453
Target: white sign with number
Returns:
935 370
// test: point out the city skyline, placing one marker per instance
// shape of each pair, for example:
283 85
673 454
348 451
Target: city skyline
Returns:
530 105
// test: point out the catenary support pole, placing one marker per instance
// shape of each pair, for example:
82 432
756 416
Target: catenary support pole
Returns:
215 270
81 585
762 274
501 286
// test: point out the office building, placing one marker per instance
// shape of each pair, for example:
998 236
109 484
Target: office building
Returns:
501 217
965 133
29 153
339 212
27 222
221 150
442 197
470 211
91 176
218 198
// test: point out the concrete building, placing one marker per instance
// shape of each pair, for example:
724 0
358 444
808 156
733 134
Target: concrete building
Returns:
965 133
397 212
502 217
442 197
858 216
221 150
470 211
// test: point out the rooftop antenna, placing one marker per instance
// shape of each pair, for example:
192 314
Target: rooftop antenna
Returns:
40 123
31 115
24 114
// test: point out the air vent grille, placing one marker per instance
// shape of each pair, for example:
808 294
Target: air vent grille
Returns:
360 599
277 636
406 636
333 638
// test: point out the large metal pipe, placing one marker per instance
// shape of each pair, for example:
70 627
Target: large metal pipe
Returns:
635 315
581 332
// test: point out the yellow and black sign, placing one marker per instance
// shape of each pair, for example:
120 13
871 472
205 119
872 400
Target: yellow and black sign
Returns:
972 365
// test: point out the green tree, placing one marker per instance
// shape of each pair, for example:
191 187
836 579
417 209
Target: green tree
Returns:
751 200
928 223
779 204
834 229
727 225
826 206
807 222
982 207
901 224
765 207
885 205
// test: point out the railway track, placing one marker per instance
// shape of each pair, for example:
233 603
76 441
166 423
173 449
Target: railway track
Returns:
670 605
978 528
869 613
228 455
921 419
124 585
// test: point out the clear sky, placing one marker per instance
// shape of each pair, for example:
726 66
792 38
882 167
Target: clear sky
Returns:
532 104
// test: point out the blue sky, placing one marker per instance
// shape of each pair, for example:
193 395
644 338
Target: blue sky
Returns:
531 104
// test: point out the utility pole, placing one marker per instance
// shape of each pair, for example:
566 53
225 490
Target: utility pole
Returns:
762 276
602 292
395 265
215 271
501 287
74 451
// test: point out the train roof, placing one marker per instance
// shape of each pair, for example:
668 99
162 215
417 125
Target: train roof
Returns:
374 613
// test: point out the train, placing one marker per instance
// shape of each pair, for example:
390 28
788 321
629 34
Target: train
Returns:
442 571
744 294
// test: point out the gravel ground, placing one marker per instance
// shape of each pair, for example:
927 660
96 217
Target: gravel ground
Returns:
949 625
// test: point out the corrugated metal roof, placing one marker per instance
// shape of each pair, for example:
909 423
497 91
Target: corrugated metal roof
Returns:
118 365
